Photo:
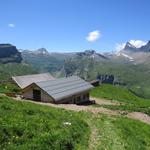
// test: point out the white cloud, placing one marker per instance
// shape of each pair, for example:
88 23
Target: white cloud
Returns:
11 25
93 36
137 43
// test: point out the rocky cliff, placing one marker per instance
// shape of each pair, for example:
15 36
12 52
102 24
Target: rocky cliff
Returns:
9 53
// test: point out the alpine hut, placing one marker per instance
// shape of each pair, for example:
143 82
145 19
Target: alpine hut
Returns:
72 90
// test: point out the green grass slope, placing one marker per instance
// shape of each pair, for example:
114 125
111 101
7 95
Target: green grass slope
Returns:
12 69
112 92
122 94
135 76
29 126
24 126
9 87
118 133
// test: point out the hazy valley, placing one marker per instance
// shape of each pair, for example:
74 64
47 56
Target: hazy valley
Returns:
130 65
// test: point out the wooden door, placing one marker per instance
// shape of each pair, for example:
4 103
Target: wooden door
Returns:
37 95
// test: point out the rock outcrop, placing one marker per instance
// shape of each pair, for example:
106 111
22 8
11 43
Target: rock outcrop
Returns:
9 53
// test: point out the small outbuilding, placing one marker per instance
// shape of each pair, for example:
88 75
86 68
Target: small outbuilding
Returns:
72 90
95 82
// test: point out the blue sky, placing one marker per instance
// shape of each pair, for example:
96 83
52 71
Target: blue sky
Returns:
73 25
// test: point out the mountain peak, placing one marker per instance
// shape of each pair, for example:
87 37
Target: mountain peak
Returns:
129 46
148 43
42 51
146 48
92 54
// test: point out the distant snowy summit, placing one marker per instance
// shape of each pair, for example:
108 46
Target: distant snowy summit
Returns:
133 52
132 48
129 52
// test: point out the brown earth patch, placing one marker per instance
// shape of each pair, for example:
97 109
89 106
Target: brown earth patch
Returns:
101 101
139 116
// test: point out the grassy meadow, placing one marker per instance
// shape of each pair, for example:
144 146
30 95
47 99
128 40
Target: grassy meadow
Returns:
24 126
118 133
9 87
130 101
28 126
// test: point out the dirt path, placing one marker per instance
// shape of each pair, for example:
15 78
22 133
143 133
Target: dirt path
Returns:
77 108
93 140
101 101
95 110
139 116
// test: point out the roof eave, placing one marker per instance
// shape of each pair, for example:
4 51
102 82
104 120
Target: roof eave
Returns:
17 82
59 99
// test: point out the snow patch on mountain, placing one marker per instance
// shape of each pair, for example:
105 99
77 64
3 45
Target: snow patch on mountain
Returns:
137 43
125 55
